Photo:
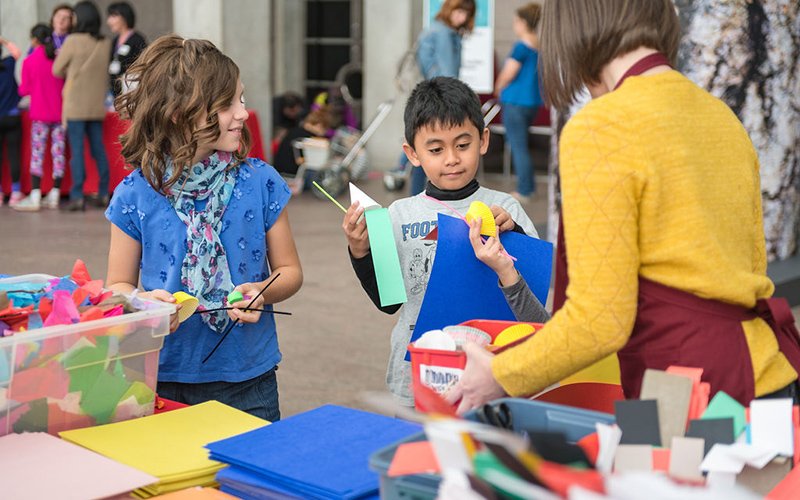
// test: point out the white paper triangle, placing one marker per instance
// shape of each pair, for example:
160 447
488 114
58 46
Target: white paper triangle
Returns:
363 198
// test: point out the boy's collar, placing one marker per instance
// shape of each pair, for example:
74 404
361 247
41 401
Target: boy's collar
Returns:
450 195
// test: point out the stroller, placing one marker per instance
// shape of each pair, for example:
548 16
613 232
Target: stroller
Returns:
395 180
333 163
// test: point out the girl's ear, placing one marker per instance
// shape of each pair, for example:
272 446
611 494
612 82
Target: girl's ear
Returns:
485 140
411 154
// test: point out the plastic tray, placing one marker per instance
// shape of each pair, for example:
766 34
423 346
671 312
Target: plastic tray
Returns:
71 376
575 423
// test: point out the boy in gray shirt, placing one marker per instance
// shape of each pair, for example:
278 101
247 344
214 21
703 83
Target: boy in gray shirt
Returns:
446 137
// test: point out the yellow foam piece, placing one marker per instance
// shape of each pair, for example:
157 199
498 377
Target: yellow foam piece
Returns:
478 209
605 371
188 305
512 334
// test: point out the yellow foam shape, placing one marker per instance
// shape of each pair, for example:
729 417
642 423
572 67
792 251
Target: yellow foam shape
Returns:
605 371
512 334
188 305
478 209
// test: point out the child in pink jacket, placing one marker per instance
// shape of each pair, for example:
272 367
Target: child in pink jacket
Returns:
45 113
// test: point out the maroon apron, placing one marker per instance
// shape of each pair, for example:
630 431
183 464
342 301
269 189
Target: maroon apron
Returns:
674 327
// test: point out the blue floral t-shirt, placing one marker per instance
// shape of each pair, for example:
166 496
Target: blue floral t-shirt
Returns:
259 196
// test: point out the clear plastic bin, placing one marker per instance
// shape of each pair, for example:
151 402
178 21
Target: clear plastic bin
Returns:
72 376
575 423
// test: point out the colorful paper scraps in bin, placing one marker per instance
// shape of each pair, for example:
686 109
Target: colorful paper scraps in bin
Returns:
322 453
38 465
169 445
60 301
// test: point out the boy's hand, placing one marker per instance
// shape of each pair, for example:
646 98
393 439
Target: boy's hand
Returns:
249 290
502 219
356 231
492 254
164 296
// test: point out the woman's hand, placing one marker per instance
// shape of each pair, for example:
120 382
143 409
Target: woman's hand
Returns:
492 254
477 385
356 231
164 296
249 290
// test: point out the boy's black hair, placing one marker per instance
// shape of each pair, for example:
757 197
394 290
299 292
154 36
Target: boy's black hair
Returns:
443 101
125 11
88 19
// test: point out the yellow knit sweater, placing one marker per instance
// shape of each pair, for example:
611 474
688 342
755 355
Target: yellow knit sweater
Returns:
659 180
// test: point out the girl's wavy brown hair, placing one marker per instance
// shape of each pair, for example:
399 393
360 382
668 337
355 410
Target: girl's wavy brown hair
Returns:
178 87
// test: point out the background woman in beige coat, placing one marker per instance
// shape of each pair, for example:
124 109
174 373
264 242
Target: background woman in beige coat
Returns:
83 60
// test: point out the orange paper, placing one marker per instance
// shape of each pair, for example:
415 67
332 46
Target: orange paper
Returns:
414 458
198 494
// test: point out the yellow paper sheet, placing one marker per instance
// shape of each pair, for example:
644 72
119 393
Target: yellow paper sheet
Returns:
168 445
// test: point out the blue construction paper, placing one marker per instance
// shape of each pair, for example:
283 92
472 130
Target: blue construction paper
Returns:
321 453
247 484
462 288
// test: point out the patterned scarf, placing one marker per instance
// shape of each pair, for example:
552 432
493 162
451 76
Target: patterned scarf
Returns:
205 273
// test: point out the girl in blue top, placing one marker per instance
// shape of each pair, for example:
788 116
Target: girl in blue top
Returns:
517 86
197 216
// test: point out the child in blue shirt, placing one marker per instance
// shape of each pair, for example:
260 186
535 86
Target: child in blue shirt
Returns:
197 216
517 86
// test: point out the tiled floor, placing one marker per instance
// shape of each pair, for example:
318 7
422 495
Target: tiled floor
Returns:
335 345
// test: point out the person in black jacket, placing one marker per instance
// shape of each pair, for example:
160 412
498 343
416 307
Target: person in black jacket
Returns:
127 44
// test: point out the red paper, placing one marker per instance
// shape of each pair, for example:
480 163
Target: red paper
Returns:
414 458
117 310
45 307
79 295
94 287
559 478
91 314
34 383
101 298
433 401
590 444
661 459
58 420
788 488
80 274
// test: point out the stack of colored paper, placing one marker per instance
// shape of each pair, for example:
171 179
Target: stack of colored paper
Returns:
169 445
38 465
323 453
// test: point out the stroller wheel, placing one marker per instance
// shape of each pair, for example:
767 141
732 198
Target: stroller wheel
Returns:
393 182
332 181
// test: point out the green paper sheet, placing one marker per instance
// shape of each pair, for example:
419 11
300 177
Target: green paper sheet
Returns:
724 406
141 392
85 365
391 288
35 419
101 400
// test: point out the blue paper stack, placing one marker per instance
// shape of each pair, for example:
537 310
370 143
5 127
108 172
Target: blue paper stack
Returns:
323 453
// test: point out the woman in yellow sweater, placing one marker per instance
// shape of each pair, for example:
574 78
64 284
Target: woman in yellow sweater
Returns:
661 217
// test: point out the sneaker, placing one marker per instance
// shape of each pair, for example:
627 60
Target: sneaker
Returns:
520 197
30 203
98 201
16 197
52 199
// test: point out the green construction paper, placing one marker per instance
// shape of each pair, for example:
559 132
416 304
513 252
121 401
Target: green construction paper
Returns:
391 287
484 461
141 392
35 419
724 406
101 400
85 365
